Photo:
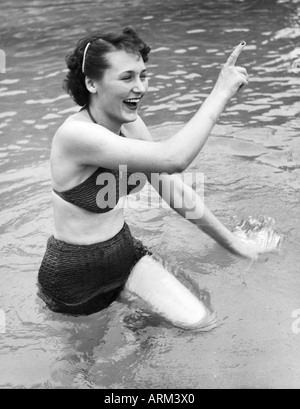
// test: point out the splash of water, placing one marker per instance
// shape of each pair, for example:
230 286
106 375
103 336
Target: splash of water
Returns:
261 232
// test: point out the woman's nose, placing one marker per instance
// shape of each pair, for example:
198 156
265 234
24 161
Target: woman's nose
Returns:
140 87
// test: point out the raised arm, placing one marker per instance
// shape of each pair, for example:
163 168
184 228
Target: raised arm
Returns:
191 139
90 144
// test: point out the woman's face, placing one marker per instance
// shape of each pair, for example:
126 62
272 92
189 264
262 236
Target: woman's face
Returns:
121 89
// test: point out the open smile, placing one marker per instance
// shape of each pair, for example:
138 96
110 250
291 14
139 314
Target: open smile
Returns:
132 103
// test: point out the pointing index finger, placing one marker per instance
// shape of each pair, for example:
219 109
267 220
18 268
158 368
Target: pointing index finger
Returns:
235 54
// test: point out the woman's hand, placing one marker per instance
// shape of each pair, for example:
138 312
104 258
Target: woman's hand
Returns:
246 249
250 249
232 78
255 238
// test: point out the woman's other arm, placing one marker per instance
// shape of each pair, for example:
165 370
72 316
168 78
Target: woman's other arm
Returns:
188 204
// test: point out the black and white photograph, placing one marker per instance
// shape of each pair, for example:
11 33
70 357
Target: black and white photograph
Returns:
150 197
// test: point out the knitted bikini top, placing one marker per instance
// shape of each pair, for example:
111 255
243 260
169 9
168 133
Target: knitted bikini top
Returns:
101 192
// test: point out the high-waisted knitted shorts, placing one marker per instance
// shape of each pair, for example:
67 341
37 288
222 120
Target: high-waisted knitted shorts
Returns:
82 280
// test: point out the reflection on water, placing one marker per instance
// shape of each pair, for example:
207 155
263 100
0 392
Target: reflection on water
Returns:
251 166
261 231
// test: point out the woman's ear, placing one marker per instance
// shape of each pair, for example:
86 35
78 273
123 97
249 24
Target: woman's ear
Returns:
90 85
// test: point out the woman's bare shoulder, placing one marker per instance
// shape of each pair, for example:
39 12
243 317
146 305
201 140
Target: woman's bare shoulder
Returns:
74 128
70 124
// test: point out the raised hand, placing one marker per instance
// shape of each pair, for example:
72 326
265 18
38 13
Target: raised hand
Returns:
232 78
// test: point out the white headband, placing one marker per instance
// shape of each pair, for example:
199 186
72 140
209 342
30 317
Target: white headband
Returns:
84 56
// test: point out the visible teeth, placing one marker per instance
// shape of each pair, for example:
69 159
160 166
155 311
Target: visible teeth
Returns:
133 101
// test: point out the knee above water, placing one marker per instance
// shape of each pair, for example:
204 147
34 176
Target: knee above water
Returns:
198 317
195 318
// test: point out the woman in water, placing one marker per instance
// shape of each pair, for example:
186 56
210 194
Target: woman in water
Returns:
92 256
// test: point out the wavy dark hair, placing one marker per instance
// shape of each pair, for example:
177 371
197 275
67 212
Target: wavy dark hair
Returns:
96 61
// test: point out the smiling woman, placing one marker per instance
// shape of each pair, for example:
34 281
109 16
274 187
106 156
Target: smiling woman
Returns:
122 88
90 60
92 256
